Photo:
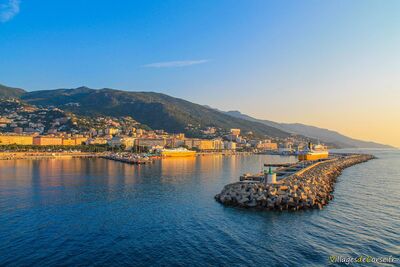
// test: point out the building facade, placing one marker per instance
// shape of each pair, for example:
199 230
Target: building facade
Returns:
16 140
47 141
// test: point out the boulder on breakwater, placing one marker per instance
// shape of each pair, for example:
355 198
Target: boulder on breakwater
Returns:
307 189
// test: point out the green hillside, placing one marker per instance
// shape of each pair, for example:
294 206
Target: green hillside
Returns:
10 92
158 111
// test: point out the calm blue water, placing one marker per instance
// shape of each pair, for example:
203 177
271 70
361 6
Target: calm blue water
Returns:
98 212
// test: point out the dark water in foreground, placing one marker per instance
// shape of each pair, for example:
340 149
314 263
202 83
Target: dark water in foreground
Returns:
99 212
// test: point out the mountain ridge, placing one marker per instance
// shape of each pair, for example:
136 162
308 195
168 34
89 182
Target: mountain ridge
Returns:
6 91
324 135
157 110
161 111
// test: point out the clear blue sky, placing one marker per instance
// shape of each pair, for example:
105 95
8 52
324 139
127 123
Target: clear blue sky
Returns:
248 55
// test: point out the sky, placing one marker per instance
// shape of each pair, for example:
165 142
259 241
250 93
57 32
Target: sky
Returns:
332 64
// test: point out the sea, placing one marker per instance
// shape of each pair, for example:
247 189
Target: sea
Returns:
97 212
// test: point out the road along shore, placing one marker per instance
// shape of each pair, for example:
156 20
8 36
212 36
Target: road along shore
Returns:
310 188
45 155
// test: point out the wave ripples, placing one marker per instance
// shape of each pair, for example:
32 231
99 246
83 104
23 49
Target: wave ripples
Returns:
97 212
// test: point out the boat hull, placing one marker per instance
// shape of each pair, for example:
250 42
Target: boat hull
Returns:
313 156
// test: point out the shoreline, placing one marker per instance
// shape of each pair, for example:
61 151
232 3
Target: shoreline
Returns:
46 155
11 155
310 188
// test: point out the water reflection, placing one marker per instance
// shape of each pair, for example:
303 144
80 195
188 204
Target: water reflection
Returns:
54 181
100 212
80 172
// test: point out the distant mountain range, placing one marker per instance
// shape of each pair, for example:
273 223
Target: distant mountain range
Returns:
160 111
324 135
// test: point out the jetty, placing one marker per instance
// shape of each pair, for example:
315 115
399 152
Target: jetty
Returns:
282 170
128 158
309 187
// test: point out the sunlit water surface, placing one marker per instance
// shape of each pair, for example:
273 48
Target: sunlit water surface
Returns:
83 212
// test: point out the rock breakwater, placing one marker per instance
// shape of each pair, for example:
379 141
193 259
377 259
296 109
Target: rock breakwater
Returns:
307 189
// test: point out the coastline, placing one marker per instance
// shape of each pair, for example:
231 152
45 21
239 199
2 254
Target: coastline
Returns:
11 155
46 155
310 188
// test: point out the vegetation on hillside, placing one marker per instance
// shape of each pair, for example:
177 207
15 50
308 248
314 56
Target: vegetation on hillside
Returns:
10 92
156 110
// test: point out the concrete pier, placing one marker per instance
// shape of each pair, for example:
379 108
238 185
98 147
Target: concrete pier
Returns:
308 188
128 158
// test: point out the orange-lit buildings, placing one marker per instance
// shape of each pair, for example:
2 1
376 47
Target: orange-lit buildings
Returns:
151 142
267 146
111 131
203 144
16 139
47 141
41 140
68 142
96 141
235 132
4 120
80 140
44 140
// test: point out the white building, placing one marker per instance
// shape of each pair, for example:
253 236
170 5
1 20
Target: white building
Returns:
118 141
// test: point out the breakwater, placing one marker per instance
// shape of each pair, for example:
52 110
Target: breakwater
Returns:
128 158
309 188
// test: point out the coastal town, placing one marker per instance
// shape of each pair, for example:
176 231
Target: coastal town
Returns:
199 133
37 132
28 127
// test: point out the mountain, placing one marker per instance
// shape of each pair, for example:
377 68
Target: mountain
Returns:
10 92
324 135
158 111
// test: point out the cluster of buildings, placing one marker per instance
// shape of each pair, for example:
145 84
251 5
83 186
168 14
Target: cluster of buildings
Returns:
137 139
41 140
19 118
153 140
145 140
148 140
23 124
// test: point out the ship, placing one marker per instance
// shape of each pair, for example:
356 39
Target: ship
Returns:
177 152
314 152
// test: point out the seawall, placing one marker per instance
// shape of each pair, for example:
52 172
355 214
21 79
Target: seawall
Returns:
45 155
307 189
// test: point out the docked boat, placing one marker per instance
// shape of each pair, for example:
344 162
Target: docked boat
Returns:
177 152
314 152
